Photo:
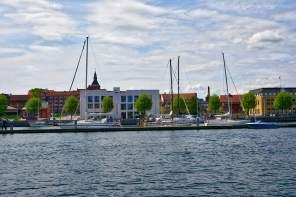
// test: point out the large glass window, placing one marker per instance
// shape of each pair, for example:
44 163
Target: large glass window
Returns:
123 107
90 106
90 99
123 99
135 98
130 106
97 106
130 115
97 99
123 115
130 99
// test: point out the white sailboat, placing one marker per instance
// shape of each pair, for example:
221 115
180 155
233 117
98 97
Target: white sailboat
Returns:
93 120
172 119
225 119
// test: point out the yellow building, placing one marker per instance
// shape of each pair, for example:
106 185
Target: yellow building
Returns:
265 98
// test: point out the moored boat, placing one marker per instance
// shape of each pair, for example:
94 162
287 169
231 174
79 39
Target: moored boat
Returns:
262 125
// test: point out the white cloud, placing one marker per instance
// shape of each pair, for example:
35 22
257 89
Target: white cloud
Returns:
264 37
131 42
42 18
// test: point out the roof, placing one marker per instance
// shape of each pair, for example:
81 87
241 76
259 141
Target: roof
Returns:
19 97
233 98
167 97
273 89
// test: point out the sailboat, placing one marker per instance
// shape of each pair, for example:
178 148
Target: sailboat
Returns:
172 119
93 120
225 119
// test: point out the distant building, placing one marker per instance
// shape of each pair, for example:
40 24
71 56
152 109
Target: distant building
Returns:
265 98
52 102
123 101
56 99
235 105
165 100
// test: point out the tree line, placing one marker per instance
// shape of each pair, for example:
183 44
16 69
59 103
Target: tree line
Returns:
283 101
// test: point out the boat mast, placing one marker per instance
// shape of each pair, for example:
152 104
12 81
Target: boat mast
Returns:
86 62
178 86
172 94
228 99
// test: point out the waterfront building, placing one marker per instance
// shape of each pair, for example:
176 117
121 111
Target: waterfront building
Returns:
165 100
123 101
52 102
235 105
56 99
265 98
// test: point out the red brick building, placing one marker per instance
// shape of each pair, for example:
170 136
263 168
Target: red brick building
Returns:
165 100
52 102
235 104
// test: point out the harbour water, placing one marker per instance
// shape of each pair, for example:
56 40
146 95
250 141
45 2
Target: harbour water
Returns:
150 163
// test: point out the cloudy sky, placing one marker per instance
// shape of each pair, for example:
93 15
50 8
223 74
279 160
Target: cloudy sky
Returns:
131 42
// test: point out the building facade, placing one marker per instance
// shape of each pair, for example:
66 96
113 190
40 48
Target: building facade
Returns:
165 100
123 102
235 105
265 98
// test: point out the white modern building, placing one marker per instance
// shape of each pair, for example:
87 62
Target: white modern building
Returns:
123 101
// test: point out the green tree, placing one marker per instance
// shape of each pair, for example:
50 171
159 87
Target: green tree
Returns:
33 106
107 104
3 105
283 101
214 104
36 92
181 104
143 104
71 105
248 102
192 105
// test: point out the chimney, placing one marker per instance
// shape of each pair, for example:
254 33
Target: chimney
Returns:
209 94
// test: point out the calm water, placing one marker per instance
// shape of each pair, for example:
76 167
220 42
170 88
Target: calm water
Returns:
166 163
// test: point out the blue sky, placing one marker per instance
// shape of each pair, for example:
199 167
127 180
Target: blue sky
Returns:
131 42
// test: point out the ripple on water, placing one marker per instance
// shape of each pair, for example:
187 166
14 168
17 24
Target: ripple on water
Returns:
167 163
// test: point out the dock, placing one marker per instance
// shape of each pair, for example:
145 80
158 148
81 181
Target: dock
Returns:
125 129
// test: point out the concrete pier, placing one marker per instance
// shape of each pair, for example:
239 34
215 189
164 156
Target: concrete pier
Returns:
122 129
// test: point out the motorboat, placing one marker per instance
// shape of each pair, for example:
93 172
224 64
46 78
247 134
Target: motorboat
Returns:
262 125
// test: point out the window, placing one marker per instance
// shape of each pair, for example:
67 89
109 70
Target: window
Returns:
97 106
123 115
130 106
90 106
123 99
90 99
123 107
97 99
130 115
130 99
135 98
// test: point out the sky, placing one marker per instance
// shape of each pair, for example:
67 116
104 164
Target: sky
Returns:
131 42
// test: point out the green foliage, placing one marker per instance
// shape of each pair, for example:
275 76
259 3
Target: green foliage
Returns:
3 105
12 117
192 105
214 104
107 104
248 102
33 105
36 92
283 101
71 105
143 103
181 104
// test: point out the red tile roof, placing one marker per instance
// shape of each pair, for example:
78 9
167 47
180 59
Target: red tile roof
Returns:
233 98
